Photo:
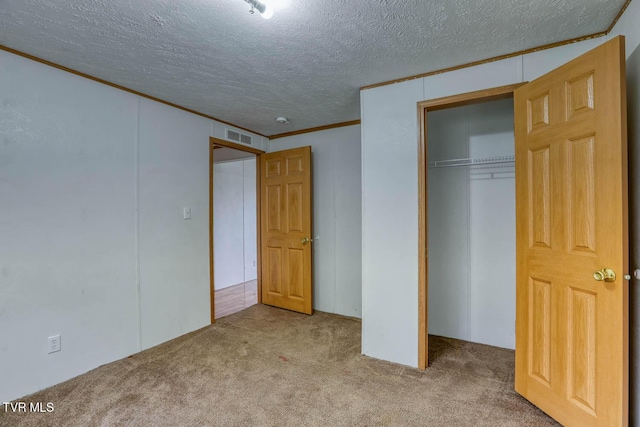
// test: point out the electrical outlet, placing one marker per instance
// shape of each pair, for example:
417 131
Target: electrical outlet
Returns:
254 262
54 344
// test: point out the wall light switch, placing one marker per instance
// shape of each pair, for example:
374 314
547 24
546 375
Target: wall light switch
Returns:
186 213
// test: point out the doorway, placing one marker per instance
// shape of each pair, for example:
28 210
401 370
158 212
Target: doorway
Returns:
237 282
452 167
471 223
283 201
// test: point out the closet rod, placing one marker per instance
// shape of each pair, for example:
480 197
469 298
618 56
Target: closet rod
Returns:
472 162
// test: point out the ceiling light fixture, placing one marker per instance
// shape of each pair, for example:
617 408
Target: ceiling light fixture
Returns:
282 120
265 10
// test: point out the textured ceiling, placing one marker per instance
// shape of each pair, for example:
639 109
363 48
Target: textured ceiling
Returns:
306 63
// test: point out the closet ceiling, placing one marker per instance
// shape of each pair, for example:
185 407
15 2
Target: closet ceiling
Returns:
306 63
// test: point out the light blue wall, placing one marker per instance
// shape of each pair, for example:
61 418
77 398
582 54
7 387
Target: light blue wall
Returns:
630 28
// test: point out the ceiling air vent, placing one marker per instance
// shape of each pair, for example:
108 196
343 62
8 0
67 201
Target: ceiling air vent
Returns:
239 137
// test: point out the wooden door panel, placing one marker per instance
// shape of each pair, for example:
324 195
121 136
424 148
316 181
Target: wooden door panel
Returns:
273 202
295 201
295 165
286 185
540 198
571 330
582 349
580 95
582 201
273 167
538 112
540 330
274 264
296 273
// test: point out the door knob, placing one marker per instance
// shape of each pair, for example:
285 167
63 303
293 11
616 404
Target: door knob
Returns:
305 240
605 275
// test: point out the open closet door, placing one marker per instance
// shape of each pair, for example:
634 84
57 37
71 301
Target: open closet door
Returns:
572 240
285 212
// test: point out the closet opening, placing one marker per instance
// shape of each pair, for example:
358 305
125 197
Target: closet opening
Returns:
467 232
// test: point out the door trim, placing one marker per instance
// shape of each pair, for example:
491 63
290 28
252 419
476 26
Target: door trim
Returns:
470 98
213 142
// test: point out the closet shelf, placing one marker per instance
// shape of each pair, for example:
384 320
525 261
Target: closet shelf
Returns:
472 162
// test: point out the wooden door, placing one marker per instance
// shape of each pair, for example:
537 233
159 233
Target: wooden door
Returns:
286 229
571 198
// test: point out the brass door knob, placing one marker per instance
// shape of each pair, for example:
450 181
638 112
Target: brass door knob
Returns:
305 240
605 275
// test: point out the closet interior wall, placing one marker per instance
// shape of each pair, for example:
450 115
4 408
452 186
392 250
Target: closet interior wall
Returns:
471 225
234 208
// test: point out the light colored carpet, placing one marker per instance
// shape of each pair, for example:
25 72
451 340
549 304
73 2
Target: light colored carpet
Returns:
269 367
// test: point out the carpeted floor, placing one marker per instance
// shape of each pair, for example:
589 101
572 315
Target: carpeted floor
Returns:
270 367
